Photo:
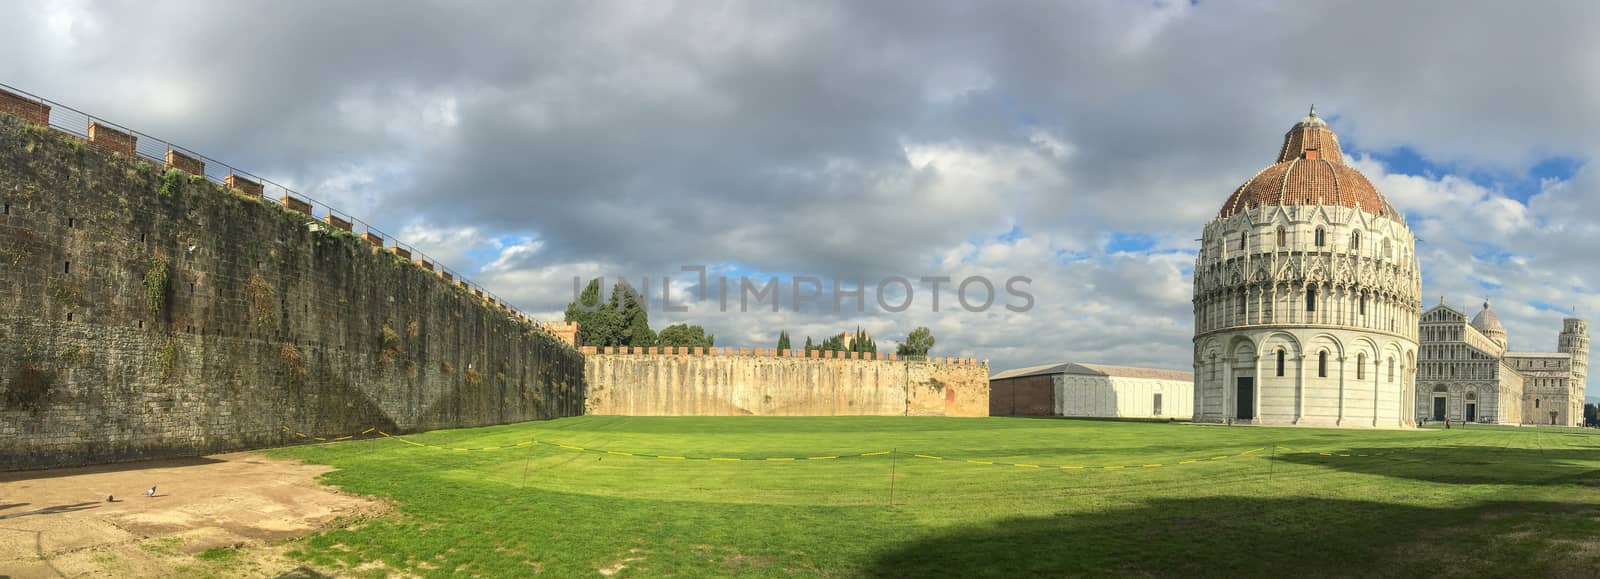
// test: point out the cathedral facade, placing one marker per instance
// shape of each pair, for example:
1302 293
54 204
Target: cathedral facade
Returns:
1307 297
1467 373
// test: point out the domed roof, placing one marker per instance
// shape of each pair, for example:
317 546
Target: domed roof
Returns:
1310 171
1487 322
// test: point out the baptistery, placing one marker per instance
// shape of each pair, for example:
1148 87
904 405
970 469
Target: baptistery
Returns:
1307 294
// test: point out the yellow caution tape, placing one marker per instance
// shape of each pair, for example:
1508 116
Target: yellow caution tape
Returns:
928 456
821 457
720 459
1156 465
781 458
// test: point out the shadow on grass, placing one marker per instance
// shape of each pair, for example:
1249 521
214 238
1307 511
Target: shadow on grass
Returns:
1463 464
1238 536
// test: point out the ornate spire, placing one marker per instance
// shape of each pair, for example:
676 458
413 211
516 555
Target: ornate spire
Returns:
1313 113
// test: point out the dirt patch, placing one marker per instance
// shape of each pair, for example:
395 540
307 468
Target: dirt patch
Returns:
218 515
620 564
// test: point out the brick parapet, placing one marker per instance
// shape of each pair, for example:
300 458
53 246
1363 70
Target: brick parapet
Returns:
108 139
30 110
182 162
250 188
295 204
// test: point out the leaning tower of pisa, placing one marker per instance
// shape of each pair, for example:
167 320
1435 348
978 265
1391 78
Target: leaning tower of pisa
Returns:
1574 340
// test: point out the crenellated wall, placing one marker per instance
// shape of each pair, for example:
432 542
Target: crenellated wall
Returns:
765 382
147 313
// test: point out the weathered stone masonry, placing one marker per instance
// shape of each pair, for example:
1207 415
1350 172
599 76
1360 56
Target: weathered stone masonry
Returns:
146 316
685 382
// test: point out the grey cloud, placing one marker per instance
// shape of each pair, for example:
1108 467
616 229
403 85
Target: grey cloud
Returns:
782 137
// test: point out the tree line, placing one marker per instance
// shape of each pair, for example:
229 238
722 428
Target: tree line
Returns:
622 320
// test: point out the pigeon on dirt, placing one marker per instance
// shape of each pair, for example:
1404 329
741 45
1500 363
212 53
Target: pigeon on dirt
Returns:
111 499
151 492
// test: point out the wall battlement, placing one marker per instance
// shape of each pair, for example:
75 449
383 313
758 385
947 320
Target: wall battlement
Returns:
762 352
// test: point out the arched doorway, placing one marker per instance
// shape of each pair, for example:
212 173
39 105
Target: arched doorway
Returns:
1440 395
1472 407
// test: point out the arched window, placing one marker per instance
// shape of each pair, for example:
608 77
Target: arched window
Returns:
1283 238
1311 299
1244 238
1281 356
1355 240
1363 305
1321 237
1386 248
1361 366
1535 402
1241 303
1322 364
1391 368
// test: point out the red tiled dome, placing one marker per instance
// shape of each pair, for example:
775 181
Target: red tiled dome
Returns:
1310 171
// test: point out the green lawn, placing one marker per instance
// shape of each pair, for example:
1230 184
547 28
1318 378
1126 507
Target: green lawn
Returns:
1253 501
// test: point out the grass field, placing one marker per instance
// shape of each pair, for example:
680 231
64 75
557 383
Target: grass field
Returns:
1223 500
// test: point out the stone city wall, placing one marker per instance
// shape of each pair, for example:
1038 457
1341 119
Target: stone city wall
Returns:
763 382
147 313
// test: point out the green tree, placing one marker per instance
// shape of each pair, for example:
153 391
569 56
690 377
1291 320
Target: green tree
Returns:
863 343
783 341
810 346
1591 414
918 343
686 335
599 324
635 330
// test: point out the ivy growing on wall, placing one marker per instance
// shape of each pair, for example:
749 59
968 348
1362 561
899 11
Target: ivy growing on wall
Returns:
167 359
293 363
171 183
29 387
261 297
156 283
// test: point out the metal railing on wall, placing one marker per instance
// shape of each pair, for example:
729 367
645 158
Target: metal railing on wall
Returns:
75 122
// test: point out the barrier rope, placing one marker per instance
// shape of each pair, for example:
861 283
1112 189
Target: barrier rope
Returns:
1254 452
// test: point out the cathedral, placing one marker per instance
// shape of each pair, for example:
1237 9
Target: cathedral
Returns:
1467 372
1307 296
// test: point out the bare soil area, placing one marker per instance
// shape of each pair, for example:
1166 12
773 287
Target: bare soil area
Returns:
216 515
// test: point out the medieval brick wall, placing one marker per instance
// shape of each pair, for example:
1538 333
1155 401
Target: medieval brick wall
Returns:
761 383
143 317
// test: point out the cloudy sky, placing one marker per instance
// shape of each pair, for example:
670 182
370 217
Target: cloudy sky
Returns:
1081 144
